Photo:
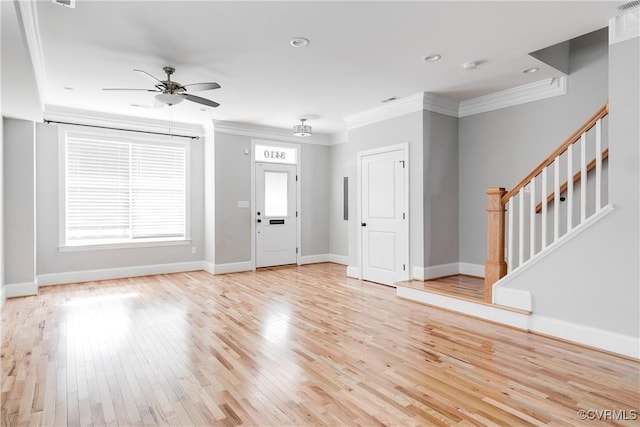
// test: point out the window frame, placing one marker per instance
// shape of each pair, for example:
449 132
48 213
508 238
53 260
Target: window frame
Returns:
117 136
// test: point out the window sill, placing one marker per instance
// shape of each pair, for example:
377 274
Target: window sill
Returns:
124 245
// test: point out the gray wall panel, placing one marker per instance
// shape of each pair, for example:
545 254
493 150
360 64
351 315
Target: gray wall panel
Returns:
19 201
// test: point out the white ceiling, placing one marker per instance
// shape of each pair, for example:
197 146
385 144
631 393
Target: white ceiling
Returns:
360 53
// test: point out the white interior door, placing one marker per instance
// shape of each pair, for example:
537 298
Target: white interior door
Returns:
384 216
276 225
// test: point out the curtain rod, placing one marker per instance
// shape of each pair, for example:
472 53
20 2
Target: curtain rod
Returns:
126 130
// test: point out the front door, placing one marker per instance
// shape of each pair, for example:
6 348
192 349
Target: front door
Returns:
384 216
276 224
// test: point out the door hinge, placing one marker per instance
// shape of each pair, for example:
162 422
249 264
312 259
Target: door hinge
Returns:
296 214
404 267
296 178
402 161
296 250
404 215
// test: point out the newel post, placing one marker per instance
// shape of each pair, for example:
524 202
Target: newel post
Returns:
495 267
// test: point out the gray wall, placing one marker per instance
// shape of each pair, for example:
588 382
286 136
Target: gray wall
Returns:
233 184
315 199
19 201
440 136
406 128
51 260
593 280
338 226
209 201
498 148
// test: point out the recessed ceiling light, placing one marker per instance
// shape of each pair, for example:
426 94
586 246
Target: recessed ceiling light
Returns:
299 42
67 88
531 70
470 65
433 58
393 98
203 109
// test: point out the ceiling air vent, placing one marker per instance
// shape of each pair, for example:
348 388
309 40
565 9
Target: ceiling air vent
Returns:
67 3
628 6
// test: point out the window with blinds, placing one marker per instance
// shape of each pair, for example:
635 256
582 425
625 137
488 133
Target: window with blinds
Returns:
123 190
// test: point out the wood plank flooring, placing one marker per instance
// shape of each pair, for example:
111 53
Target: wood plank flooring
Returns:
296 346
457 285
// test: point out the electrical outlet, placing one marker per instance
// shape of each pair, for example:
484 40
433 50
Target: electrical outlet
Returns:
193 249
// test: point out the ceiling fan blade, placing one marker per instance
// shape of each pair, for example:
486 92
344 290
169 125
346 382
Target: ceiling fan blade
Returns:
155 80
202 86
199 100
145 90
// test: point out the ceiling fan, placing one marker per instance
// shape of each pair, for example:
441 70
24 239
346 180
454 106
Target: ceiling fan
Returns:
172 92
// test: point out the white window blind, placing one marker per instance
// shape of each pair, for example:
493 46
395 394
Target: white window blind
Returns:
123 191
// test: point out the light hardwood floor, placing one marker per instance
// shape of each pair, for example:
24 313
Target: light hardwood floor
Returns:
289 346
458 285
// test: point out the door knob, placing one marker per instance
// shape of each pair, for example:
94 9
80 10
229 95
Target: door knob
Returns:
364 224
259 220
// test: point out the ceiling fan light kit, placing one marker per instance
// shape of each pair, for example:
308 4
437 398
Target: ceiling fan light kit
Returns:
169 98
302 129
172 92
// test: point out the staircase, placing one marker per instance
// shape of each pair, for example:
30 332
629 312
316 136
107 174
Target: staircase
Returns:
556 200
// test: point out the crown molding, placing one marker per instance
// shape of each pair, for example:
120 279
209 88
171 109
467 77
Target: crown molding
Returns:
396 108
515 96
266 132
438 104
624 27
99 118
28 19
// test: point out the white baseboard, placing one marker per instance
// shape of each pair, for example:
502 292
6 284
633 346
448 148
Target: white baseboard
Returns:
483 311
233 267
116 273
313 259
516 298
209 267
580 334
586 335
476 270
433 271
442 270
14 290
339 259
3 298
353 272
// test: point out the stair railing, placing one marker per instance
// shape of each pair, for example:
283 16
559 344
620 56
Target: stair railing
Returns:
529 228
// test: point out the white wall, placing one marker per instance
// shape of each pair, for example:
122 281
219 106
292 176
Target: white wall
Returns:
50 260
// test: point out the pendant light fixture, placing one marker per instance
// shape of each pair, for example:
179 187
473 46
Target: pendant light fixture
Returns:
302 129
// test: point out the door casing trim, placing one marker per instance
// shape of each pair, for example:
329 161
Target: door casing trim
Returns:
254 142
404 147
